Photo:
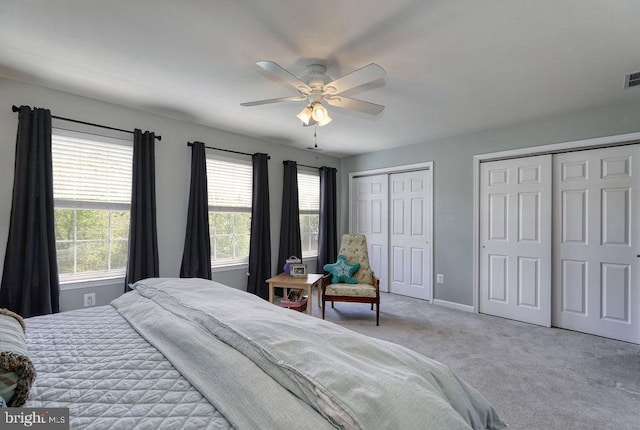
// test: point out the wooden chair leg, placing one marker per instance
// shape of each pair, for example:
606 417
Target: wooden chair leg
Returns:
331 304
322 307
377 314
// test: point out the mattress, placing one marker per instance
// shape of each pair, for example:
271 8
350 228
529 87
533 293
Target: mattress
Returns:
94 363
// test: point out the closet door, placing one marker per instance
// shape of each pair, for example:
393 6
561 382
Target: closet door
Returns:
515 239
597 242
370 216
410 198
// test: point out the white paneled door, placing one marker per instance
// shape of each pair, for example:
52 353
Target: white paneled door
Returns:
515 239
410 234
597 242
370 216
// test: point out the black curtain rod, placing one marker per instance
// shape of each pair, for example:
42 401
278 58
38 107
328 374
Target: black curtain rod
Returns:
312 167
309 167
227 150
16 109
304 165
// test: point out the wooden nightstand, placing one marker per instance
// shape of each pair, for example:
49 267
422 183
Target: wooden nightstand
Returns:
285 282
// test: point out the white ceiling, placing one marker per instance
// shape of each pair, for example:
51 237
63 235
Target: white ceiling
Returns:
453 66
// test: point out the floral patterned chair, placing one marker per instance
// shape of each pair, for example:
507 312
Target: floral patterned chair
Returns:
366 288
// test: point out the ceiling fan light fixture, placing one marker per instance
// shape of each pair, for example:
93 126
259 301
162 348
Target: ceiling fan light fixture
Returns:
319 111
305 115
320 114
324 121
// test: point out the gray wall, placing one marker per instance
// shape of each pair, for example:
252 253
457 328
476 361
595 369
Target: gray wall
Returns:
453 180
172 172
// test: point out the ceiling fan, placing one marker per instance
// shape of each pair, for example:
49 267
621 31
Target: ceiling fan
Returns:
317 87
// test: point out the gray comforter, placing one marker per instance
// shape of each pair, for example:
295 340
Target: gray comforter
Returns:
270 368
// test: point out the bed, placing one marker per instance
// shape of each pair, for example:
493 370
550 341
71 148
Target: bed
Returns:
195 354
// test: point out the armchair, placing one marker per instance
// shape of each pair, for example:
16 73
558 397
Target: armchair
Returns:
366 288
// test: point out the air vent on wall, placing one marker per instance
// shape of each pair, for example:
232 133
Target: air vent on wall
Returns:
632 80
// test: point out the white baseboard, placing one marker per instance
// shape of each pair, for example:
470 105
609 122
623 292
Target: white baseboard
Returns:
453 305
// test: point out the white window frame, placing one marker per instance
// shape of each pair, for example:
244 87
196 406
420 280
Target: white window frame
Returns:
305 209
235 262
96 278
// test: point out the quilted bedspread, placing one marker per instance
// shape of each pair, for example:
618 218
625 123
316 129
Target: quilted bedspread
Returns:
195 354
94 363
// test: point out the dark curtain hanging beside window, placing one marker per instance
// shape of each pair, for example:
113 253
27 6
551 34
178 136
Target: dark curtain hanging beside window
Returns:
327 231
260 245
290 242
142 261
196 257
30 285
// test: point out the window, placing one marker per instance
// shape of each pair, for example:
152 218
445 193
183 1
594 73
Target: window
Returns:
92 198
229 184
309 202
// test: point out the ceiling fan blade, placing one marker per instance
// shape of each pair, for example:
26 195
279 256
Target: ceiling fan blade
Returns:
279 99
284 75
356 78
355 104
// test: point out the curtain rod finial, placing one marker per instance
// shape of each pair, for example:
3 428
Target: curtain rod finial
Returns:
15 108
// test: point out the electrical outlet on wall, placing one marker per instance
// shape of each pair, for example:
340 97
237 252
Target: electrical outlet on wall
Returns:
440 278
89 300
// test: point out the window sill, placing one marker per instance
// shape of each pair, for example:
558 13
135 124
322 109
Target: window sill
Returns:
230 267
91 283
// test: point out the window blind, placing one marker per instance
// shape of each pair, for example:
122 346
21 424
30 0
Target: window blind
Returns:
229 183
308 192
91 170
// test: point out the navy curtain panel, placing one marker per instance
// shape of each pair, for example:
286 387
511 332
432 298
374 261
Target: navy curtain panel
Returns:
30 284
196 256
142 261
260 244
290 242
327 230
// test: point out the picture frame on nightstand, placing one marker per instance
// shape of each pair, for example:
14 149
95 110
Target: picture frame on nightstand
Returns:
298 270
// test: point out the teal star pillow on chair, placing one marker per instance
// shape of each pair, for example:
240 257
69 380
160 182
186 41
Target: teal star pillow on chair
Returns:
342 271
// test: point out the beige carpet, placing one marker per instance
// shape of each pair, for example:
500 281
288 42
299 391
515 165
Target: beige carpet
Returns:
537 378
